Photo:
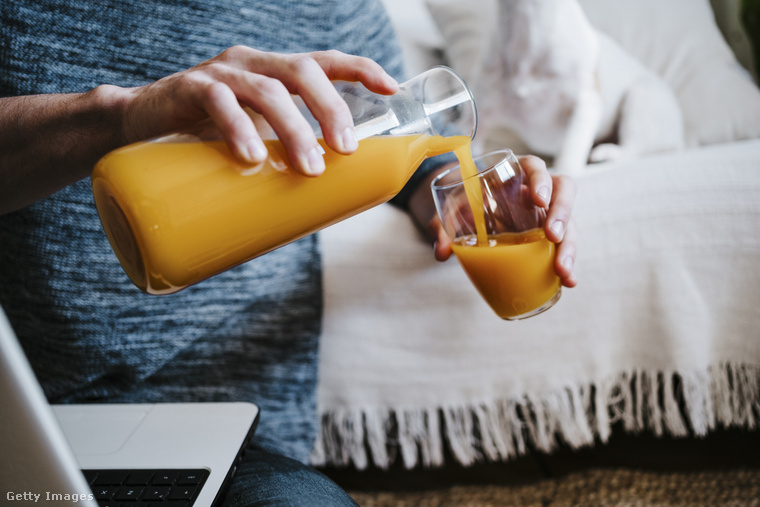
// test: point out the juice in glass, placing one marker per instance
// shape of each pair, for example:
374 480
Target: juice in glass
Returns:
514 272
499 241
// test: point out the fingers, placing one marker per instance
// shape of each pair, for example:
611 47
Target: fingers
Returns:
234 124
441 241
308 80
269 97
264 81
310 77
340 66
219 89
557 193
560 228
560 208
565 259
540 182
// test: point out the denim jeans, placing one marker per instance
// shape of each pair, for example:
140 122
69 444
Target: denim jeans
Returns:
267 479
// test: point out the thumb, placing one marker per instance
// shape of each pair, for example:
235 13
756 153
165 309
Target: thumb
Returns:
441 240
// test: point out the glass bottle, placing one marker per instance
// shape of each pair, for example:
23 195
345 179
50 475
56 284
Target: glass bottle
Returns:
181 208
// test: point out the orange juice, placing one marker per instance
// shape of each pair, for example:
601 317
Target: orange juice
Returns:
179 212
514 272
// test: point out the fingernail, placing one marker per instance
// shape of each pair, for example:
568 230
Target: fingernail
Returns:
257 152
558 228
568 263
350 144
543 193
315 162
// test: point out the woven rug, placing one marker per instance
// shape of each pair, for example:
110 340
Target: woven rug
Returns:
591 488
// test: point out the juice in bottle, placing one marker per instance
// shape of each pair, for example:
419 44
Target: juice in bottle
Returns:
179 212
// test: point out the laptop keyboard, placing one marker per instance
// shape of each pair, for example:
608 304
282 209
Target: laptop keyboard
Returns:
146 488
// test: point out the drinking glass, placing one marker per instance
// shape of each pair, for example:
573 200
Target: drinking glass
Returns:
498 234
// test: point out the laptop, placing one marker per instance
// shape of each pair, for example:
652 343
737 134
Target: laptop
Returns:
177 455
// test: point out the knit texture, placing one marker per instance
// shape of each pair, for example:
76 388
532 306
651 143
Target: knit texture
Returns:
248 334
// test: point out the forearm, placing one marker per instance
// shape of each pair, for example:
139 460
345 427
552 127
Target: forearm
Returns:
50 141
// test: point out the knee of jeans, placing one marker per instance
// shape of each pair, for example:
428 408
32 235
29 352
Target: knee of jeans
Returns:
267 479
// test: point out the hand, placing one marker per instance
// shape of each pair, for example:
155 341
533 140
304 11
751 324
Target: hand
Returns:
241 76
557 192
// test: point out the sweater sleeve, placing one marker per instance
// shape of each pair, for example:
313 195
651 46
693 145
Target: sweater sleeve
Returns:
362 27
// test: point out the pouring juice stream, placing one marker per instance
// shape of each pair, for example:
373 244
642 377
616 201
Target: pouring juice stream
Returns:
468 170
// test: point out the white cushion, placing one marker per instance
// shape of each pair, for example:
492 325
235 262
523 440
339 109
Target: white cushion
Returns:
678 39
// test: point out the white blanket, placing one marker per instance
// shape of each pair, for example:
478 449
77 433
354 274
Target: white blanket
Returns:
666 313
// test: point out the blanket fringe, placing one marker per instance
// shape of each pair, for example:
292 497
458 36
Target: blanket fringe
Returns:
665 402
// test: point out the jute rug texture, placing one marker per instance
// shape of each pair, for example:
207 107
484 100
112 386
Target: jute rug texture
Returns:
592 488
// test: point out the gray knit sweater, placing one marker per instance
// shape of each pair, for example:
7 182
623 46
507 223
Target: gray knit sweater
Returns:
248 334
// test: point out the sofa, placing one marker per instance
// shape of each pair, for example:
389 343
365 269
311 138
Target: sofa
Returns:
662 334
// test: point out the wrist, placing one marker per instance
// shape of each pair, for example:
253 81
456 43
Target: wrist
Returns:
107 106
50 141
421 205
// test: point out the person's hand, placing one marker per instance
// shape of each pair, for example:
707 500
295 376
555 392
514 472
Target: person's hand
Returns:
555 192
241 76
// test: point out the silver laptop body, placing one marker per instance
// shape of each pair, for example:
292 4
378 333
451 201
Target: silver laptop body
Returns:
44 448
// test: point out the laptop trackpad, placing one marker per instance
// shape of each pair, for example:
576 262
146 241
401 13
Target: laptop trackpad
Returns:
92 430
